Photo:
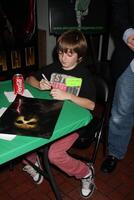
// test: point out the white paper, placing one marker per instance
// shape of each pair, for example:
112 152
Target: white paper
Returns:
2 110
3 135
11 96
8 137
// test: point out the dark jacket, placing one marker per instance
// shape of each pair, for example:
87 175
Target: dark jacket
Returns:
122 19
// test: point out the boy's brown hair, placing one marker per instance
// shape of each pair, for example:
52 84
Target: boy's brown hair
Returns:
72 41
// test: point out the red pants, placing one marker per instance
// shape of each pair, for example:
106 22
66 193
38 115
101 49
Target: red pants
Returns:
58 156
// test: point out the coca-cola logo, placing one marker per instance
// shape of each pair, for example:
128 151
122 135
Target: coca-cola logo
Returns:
19 85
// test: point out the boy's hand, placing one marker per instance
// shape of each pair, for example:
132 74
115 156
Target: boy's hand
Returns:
60 94
44 85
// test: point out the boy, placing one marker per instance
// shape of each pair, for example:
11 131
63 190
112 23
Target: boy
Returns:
71 49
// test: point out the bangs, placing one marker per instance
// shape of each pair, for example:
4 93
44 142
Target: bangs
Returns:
66 48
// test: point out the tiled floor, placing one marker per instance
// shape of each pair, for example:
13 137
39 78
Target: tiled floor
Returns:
17 185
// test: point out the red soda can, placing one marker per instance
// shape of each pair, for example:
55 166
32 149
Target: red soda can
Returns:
18 84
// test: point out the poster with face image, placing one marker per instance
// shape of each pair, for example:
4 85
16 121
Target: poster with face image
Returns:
31 117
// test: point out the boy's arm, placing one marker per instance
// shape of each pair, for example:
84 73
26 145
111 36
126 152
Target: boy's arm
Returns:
62 95
42 85
84 102
33 81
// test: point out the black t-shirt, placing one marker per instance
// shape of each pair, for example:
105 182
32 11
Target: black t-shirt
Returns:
87 89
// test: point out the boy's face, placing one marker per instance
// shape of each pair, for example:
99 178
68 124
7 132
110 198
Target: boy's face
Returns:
68 59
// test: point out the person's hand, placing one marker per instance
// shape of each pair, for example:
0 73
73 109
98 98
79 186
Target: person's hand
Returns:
44 85
130 42
60 94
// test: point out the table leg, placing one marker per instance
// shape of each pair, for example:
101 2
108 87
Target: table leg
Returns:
47 168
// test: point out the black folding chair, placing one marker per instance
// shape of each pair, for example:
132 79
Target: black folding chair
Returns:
96 131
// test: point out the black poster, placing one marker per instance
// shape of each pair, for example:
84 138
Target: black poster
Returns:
89 16
31 117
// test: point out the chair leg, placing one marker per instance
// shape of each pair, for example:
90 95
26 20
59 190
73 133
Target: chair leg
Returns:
46 166
46 170
105 141
106 122
94 154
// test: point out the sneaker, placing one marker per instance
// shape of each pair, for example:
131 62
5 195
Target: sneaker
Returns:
37 177
88 185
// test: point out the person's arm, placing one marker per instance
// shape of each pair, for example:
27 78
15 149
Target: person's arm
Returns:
61 95
37 78
42 85
84 102
33 81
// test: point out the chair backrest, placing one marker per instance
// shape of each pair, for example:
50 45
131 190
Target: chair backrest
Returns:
99 114
102 89
92 133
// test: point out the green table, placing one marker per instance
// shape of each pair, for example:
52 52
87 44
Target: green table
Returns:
70 119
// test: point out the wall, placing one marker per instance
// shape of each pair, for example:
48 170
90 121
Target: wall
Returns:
42 17
42 7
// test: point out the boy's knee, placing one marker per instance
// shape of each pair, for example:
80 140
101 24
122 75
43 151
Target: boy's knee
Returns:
55 155
52 154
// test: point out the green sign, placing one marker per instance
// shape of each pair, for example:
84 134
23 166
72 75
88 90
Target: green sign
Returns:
73 82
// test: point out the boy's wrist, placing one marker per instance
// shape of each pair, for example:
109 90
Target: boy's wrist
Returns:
69 96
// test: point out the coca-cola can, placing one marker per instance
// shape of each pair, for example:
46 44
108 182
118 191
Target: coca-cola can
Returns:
18 84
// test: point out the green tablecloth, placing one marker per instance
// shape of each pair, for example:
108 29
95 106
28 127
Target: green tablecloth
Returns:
71 118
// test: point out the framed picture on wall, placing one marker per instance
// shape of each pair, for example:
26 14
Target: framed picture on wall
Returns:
88 16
